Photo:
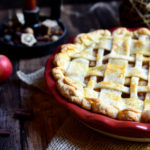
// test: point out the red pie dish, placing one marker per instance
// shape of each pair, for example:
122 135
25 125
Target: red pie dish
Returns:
126 130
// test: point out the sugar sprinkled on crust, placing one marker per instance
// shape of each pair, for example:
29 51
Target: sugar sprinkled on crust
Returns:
112 85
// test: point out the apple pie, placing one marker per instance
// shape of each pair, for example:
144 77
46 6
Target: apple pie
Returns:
107 72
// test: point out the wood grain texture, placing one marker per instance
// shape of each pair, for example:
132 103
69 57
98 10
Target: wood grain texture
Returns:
9 101
48 116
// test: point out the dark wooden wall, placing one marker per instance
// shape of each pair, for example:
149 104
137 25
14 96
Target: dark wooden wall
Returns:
5 4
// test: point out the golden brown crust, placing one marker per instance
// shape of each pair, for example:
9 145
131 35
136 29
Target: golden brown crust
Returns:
105 109
86 104
68 81
71 49
128 114
61 60
76 89
87 39
122 31
69 90
141 31
100 33
145 116
58 73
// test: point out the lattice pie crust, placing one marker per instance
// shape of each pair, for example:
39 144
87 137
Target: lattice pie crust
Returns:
107 73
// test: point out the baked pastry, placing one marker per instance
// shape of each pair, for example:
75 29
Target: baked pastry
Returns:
107 73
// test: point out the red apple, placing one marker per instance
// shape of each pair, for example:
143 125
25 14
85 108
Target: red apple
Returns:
6 68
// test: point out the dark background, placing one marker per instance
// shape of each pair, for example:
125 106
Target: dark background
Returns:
5 4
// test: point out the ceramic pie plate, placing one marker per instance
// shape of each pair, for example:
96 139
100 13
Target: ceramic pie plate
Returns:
125 130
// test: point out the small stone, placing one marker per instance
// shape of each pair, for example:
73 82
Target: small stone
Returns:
54 37
49 23
48 26
29 30
5 31
43 38
11 31
59 32
7 37
45 30
18 34
10 24
19 18
11 43
18 29
28 39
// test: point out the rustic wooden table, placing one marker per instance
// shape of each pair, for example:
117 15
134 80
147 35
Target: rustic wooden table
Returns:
37 132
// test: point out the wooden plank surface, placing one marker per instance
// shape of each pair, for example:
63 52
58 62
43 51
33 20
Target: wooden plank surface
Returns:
48 116
36 133
9 102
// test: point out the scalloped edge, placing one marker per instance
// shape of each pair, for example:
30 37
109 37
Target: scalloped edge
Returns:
101 123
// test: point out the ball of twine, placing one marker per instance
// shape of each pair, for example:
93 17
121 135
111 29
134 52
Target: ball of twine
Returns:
135 13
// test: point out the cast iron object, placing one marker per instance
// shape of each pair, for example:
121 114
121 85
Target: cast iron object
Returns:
31 17
22 51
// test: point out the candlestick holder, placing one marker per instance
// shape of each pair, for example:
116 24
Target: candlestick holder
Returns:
37 50
34 37
31 17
